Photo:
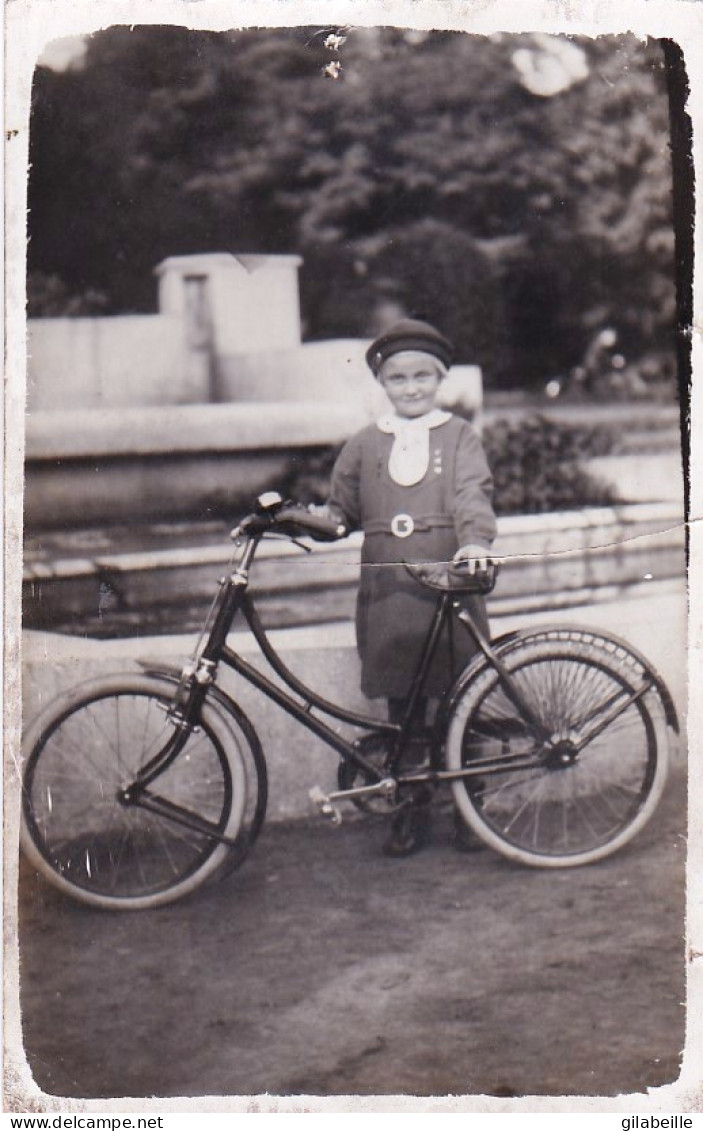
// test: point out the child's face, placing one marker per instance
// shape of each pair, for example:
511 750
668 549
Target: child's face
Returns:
411 380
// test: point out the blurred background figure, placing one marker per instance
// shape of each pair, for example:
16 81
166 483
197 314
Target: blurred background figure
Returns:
604 372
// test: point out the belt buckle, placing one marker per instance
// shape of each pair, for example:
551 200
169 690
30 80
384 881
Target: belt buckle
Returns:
402 525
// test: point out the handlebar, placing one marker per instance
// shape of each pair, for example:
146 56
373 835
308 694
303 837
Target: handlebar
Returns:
318 526
273 516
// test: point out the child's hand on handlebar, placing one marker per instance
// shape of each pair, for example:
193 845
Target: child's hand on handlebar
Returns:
321 522
473 557
324 510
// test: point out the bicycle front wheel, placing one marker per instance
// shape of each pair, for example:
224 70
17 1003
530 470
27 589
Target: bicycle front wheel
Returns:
76 828
591 786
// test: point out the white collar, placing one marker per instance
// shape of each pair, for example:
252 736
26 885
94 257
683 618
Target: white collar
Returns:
391 423
410 454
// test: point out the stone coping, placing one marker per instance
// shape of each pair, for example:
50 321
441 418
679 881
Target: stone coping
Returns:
190 263
519 537
174 430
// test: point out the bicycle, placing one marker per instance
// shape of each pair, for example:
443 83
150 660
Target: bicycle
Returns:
139 788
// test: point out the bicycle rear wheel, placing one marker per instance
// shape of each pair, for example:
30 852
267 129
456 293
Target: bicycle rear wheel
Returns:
572 805
77 830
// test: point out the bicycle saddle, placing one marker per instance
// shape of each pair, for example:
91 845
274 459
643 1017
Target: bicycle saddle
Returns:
449 578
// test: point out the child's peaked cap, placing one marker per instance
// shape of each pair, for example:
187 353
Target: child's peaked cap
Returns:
409 334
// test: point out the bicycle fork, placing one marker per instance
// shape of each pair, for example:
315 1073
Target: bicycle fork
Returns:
189 698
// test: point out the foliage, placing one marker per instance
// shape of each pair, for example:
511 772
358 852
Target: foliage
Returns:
537 465
49 297
429 172
406 265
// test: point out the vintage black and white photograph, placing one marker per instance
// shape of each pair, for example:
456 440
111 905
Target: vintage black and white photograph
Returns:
354 596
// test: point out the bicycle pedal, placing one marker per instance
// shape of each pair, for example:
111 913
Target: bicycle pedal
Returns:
326 807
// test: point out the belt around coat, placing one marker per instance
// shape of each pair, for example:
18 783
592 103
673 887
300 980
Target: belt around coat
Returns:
403 525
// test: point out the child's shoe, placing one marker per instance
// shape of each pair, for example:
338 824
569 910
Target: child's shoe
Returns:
410 831
464 839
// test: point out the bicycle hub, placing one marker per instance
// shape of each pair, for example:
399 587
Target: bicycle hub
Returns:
561 754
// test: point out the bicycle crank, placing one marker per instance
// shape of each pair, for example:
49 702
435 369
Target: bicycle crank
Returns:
325 802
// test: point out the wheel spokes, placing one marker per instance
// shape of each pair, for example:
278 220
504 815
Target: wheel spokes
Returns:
81 824
582 795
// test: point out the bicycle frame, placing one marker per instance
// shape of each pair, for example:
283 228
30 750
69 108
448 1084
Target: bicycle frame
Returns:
232 600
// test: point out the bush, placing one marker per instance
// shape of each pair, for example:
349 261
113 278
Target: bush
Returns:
308 477
48 296
537 466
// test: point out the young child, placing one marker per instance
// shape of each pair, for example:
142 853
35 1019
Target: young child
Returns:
418 485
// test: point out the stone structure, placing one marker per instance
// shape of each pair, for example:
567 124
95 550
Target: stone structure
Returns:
211 309
193 409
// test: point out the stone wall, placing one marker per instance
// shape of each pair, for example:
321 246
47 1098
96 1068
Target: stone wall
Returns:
167 462
325 657
92 363
210 307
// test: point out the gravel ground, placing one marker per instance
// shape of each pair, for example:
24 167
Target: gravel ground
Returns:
324 968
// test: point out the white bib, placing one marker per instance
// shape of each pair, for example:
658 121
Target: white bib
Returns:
410 454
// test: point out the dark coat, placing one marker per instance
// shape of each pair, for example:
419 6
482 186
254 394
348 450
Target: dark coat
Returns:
450 507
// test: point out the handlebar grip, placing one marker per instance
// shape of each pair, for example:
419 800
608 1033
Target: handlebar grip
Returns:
317 526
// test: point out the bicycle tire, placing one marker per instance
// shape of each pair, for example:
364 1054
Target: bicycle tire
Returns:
79 836
256 793
560 815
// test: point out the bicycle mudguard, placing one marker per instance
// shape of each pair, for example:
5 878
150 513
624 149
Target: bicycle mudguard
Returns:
172 673
504 644
649 670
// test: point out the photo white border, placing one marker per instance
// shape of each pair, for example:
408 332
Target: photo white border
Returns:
29 26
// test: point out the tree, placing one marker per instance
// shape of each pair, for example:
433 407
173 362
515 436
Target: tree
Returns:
435 169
